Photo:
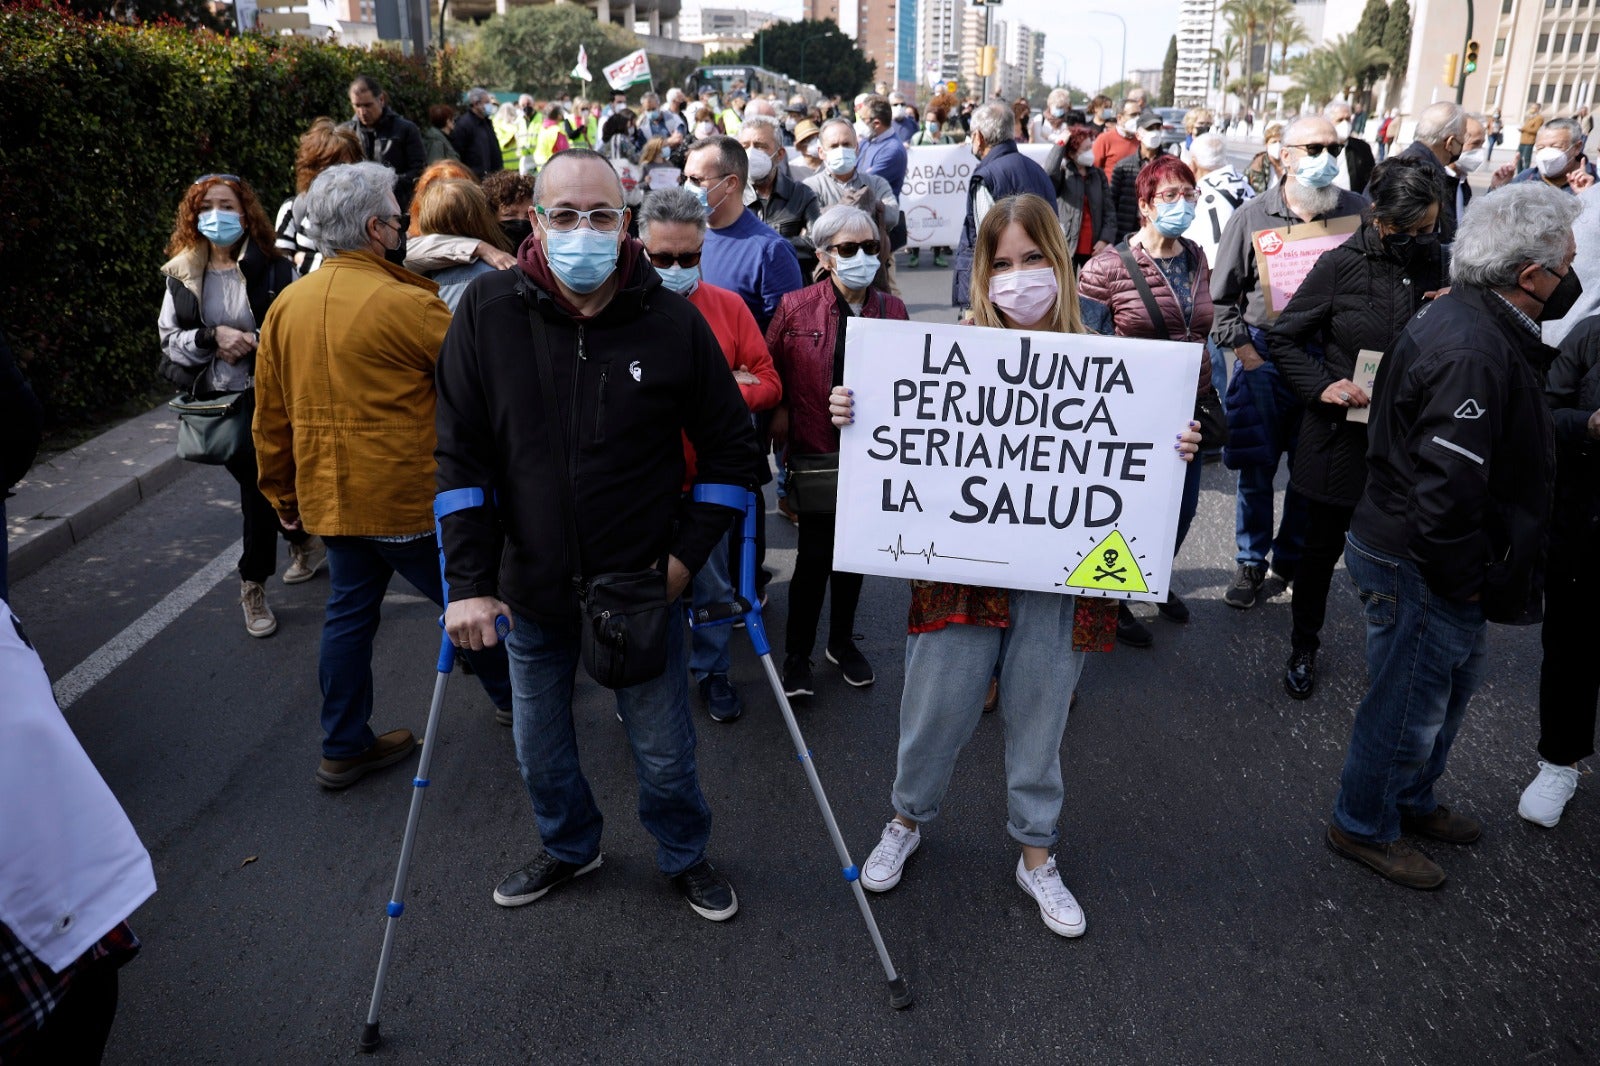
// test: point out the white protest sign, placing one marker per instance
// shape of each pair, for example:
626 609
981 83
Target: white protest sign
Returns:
1366 375
933 197
1040 461
629 70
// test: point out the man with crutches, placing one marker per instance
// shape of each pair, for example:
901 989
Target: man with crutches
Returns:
565 387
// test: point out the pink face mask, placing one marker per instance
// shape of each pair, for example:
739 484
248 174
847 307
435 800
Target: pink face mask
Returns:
1024 295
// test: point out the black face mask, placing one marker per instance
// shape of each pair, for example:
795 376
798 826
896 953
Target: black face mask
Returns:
1561 300
516 230
397 254
1411 248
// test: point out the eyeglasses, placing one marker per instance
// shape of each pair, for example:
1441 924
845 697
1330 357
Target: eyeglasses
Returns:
202 179
1314 150
564 219
850 248
667 259
1172 196
404 220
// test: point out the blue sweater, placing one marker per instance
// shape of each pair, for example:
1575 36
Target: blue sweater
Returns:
753 260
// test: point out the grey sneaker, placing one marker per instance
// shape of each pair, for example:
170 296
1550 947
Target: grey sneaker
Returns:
1246 584
259 621
304 561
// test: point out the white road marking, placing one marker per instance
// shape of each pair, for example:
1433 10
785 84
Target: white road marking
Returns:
142 630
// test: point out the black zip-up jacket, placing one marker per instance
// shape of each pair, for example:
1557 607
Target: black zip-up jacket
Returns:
1573 392
1357 296
1461 456
630 382
397 144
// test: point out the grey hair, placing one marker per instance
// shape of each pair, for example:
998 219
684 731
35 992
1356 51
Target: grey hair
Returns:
477 95
766 122
1441 121
1336 107
1574 131
836 220
1506 230
1209 151
1058 98
575 155
846 123
671 205
995 123
644 101
341 201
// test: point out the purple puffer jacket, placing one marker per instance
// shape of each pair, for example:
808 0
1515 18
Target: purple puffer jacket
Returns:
1106 279
802 336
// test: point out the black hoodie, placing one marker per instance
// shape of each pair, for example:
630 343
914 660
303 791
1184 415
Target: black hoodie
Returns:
629 381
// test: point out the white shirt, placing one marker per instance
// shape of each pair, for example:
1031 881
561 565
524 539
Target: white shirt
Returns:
71 865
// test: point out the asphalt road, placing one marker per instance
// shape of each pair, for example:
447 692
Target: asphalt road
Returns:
1220 927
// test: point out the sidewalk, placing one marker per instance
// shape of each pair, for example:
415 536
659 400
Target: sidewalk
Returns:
68 497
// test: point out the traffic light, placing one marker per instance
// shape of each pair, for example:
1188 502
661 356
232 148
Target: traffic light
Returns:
1472 57
986 60
1452 63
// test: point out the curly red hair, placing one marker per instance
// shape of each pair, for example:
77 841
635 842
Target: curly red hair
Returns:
186 228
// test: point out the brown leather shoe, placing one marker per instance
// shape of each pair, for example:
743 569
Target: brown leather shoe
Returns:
1443 824
387 750
1396 860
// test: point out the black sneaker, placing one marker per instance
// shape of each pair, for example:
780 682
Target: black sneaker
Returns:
1246 585
1301 676
542 873
852 664
722 702
707 891
1131 631
797 677
1174 610
504 716
1275 585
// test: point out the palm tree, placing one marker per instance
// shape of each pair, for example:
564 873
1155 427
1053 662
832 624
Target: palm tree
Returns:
1224 57
1319 75
1245 20
1272 13
1291 34
1356 61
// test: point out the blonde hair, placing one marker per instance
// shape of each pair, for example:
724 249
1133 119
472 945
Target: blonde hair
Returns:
1038 221
458 209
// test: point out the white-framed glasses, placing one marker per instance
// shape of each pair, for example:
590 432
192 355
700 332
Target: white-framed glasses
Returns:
564 219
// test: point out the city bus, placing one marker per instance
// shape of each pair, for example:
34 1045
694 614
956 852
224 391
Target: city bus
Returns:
748 79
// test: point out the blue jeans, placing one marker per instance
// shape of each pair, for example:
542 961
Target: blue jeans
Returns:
1253 520
660 732
947 677
708 646
1189 503
1425 658
359 570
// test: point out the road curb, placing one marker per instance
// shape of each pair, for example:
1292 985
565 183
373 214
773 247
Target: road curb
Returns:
68 497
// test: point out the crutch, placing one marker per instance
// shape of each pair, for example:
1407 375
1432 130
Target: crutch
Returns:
444 504
747 605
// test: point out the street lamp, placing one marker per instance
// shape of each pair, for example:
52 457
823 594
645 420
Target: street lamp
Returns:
1119 18
808 40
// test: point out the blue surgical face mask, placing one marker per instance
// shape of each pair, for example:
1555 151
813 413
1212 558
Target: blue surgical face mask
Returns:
1317 171
681 279
857 271
221 228
1059 112
582 259
1174 218
841 160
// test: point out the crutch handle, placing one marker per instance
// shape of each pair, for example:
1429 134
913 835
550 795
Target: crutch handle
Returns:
719 612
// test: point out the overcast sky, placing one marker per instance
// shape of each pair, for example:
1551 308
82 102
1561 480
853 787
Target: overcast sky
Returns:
1073 32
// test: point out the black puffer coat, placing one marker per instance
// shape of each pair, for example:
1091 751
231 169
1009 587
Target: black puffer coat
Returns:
1573 391
1357 296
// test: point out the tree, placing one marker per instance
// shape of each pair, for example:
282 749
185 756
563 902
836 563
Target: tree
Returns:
1355 61
1397 41
1318 77
1291 34
1370 32
1169 73
533 50
1273 13
1246 19
195 14
1222 59
814 51
724 57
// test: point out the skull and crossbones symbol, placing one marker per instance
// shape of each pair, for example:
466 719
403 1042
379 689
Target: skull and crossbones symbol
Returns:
1101 573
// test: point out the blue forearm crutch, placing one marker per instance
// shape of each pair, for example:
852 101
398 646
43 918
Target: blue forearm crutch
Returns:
747 605
446 503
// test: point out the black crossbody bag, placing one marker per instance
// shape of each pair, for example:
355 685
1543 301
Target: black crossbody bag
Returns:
1208 406
625 615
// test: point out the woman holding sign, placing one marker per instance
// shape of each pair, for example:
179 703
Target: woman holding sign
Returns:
807 341
961 635
1354 303
1158 286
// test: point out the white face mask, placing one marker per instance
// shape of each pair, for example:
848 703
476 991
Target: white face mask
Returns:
1472 160
1150 138
760 166
1551 161
1341 129
1086 157
1130 128
1274 150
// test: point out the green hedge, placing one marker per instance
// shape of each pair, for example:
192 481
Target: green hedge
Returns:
102 127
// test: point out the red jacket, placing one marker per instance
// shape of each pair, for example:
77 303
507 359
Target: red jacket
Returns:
801 337
1105 278
743 346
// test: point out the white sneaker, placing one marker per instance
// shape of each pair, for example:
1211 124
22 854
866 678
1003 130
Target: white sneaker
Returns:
1546 795
305 560
259 620
1056 905
888 860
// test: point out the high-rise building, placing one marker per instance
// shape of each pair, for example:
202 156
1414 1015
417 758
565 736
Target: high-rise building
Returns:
941 40
875 25
1195 21
974 34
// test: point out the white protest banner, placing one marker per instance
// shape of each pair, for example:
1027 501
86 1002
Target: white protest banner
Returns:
934 195
1039 461
631 69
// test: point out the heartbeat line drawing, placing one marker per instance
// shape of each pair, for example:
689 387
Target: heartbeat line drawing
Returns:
898 549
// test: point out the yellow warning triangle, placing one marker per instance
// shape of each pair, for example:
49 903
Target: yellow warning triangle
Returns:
1110 567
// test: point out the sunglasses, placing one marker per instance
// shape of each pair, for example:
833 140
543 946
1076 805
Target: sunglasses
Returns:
218 177
850 248
663 260
1314 150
